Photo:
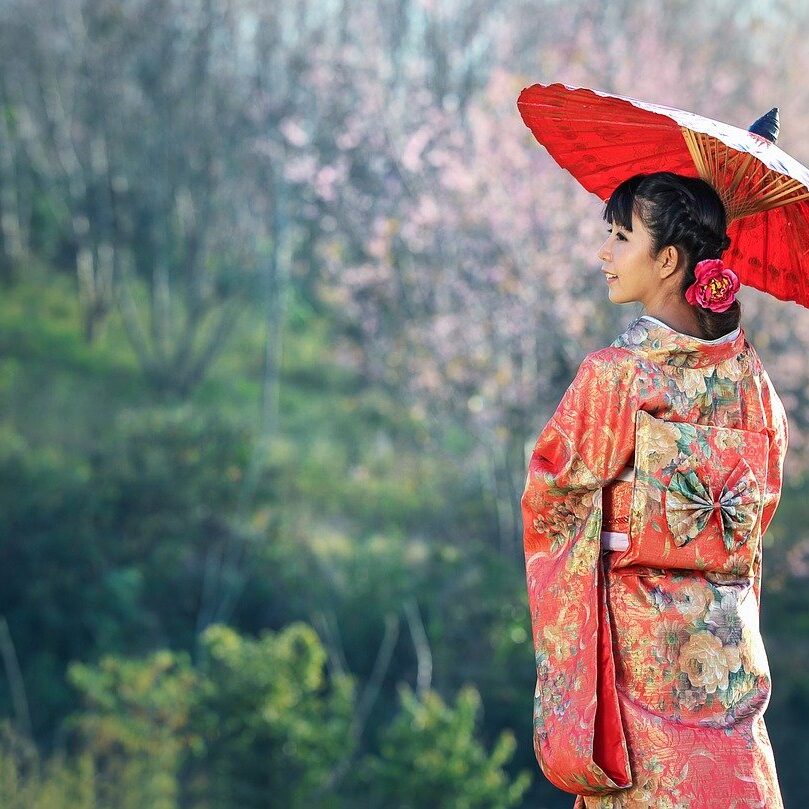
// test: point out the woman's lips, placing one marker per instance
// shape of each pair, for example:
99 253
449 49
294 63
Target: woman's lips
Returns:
610 278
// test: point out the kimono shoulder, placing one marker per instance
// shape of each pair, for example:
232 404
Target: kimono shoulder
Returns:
595 417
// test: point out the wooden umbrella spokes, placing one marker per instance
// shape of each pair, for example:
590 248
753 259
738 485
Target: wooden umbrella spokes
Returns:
745 184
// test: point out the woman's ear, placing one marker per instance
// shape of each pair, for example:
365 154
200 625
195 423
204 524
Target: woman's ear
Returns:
667 260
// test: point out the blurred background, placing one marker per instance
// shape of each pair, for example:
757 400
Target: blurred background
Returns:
287 291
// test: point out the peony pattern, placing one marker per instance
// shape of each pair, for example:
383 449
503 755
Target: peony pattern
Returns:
652 677
707 663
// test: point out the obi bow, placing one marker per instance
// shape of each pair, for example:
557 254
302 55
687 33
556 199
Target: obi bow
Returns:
690 504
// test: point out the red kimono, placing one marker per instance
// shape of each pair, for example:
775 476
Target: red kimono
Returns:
652 679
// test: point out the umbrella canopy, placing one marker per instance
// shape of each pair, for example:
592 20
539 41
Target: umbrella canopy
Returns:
603 139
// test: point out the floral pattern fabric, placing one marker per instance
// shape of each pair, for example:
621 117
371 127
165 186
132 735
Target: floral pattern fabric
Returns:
652 678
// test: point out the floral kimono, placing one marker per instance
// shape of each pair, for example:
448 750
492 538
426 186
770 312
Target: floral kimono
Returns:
652 679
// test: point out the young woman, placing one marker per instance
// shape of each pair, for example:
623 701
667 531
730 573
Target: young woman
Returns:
647 496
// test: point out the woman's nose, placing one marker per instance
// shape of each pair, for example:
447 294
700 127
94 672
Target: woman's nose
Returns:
603 253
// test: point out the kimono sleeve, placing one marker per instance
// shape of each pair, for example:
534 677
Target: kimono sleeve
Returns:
578 735
778 432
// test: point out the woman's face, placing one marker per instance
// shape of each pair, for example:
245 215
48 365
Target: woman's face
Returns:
626 255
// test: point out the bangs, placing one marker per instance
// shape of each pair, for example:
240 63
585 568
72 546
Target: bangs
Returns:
622 202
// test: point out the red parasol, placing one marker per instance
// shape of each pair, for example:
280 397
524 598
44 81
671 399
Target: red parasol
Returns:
603 139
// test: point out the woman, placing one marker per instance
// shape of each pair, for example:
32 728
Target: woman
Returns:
647 495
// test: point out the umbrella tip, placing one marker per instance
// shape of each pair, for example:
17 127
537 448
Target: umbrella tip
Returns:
767 126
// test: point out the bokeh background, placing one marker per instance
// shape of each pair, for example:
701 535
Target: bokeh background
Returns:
287 291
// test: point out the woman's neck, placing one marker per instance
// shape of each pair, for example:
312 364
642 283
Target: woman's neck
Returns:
679 320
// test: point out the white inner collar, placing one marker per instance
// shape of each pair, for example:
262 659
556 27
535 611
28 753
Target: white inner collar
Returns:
726 338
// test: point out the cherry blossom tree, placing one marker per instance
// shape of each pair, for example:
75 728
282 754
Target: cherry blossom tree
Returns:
460 254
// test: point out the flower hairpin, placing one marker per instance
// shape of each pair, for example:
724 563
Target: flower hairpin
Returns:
715 287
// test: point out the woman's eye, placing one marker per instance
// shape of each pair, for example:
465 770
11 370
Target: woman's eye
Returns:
619 235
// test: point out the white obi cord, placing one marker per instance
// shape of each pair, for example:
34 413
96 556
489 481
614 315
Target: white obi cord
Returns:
618 540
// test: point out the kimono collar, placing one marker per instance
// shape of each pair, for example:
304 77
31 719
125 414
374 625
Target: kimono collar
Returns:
656 341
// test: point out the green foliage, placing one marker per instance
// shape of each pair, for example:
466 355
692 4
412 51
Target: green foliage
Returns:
256 723
107 546
28 783
135 723
274 727
54 580
430 756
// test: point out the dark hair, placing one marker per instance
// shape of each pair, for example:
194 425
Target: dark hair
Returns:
685 212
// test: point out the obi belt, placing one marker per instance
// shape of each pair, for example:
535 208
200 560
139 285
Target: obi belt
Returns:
616 504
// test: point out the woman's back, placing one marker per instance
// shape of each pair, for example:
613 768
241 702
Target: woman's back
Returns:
652 678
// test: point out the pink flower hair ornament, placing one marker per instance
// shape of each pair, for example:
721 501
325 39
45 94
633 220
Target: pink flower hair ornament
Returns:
715 287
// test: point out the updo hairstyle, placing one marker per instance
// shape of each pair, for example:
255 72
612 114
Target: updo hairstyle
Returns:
685 212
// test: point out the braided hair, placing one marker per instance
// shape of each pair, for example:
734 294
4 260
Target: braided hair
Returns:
685 212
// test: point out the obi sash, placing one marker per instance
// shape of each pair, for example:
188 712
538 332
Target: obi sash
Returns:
688 480
616 506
